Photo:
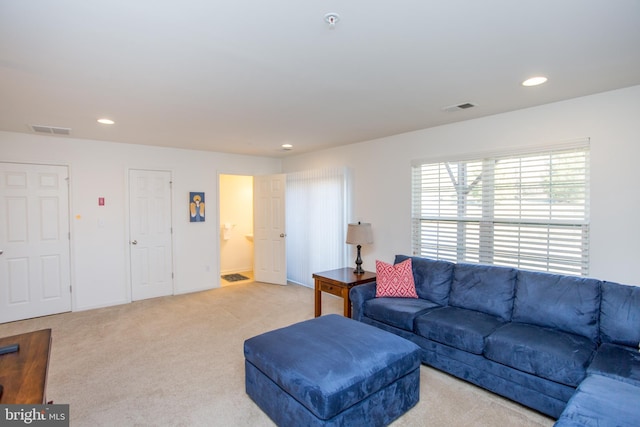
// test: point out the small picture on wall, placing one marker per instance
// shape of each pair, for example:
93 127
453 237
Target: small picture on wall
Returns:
196 206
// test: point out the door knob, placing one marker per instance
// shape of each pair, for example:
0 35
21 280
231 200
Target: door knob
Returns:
282 235
135 242
1 251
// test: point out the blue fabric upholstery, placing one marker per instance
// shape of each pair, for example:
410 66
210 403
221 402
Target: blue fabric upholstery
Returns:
458 327
566 303
484 288
602 402
616 361
531 337
547 353
378 409
542 395
330 363
620 314
535 392
399 312
432 278
359 295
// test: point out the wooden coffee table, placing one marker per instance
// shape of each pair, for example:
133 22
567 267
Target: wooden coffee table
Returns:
339 282
23 374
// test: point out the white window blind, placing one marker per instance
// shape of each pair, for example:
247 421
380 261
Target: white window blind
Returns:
529 210
316 216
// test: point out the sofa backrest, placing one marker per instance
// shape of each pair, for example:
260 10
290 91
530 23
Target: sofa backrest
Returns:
565 303
620 314
432 278
484 288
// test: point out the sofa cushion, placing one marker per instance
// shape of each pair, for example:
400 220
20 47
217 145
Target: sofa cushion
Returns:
601 401
395 281
565 303
620 314
457 327
432 278
484 288
616 361
398 312
555 355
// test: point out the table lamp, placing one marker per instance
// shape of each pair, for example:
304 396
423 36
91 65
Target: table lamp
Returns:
359 234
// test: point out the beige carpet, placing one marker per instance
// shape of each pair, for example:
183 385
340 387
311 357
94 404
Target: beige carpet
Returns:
178 361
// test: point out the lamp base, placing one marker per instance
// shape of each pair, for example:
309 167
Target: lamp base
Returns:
358 269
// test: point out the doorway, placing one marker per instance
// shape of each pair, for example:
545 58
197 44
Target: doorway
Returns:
236 229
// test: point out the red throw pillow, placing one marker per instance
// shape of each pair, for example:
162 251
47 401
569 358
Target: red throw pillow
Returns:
395 281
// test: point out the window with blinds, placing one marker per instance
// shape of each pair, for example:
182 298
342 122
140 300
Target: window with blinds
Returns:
529 210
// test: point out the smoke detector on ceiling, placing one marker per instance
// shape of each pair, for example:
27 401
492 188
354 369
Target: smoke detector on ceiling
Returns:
50 130
458 107
332 19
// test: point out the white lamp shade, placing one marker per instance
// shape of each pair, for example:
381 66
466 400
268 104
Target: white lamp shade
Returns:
359 234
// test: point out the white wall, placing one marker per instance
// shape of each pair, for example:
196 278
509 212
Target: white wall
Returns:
100 255
382 172
236 210
381 183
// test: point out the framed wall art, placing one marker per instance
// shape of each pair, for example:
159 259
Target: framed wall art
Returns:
196 206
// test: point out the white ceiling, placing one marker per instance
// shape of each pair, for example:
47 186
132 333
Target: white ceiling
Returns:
246 76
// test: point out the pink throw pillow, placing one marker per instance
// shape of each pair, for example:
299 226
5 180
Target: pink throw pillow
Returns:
395 281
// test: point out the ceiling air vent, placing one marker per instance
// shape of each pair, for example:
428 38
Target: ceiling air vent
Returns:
50 130
464 106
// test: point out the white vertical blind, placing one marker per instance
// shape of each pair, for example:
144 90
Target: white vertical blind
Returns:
316 215
528 210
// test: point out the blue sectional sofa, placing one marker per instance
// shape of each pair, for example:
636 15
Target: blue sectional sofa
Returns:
532 337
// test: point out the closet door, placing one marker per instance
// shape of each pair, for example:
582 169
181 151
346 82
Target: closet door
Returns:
34 241
150 237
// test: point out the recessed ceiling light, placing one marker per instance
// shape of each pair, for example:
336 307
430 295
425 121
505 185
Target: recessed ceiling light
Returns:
534 81
106 121
287 146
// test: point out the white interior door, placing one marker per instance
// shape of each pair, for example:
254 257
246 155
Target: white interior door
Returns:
150 234
269 235
34 241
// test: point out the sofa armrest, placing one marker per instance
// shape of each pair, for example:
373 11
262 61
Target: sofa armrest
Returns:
359 295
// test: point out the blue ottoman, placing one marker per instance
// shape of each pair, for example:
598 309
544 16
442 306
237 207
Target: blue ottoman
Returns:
332 371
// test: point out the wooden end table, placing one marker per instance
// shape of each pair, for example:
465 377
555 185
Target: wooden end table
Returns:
339 282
